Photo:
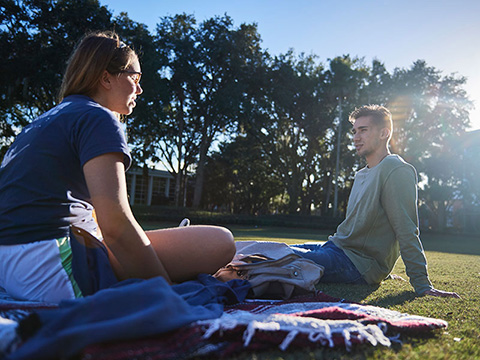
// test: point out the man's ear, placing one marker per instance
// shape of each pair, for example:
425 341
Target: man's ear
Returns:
105 80
385 133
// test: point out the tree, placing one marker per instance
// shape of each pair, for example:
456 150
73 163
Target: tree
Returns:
345 81
428 109
240 178
296 125
37 37
208 73
176 44
211 85
145 127
228 57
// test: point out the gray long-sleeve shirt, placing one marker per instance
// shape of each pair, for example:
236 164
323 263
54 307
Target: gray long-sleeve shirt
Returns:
382 223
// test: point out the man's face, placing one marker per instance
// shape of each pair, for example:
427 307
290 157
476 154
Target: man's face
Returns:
367 137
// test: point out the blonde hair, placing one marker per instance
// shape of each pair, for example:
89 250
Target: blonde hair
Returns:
95 53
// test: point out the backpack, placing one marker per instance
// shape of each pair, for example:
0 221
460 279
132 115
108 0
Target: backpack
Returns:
273 269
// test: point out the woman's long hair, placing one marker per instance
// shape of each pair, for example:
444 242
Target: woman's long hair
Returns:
95 53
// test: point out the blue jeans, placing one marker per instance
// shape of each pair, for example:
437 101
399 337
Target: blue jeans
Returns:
338 267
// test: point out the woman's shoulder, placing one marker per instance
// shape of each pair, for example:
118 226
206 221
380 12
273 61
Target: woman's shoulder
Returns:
78 111
84 104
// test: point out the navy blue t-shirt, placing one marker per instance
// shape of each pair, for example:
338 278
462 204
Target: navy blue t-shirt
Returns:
42 186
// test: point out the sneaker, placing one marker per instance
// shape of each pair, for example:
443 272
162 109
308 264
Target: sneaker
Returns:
184 222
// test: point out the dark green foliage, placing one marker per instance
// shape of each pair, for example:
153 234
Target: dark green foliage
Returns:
208 70
241 129
36 38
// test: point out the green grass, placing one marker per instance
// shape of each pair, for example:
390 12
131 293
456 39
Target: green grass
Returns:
453 264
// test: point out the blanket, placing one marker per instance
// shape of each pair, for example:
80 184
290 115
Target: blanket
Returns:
312 321
129 310
11 313
250 325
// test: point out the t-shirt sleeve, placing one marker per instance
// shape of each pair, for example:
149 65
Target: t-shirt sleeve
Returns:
98 132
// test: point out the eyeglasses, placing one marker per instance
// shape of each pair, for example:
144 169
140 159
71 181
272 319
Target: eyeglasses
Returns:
137 75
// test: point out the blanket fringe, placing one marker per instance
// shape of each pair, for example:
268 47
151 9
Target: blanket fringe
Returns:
219 324
324 336
258 325
316 330
347 339
288 339
374 335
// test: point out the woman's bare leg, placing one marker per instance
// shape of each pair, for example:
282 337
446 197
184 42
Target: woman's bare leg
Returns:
188 251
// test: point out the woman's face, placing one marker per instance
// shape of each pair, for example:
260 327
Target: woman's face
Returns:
125 89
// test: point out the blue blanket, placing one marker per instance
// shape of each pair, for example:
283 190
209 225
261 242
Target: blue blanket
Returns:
129 310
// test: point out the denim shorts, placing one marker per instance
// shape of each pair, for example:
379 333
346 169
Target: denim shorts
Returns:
338 267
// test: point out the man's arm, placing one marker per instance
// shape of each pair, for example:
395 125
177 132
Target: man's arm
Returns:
399 199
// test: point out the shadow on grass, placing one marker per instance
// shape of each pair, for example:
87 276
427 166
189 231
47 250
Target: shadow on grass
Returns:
393 299
348 292
358 293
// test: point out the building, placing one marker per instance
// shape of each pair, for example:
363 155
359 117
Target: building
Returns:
157 189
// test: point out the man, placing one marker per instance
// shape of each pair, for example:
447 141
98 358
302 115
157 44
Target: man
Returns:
381 223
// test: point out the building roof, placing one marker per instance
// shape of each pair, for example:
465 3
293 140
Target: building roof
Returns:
152 172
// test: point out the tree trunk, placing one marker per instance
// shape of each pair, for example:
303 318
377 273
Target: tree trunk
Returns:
181 125
441 215
200 173
293 191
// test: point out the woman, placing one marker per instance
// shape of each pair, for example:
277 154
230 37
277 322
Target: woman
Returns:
73 159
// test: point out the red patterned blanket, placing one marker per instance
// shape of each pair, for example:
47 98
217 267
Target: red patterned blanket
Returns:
315 321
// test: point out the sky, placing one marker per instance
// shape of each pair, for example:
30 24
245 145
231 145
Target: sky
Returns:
444 33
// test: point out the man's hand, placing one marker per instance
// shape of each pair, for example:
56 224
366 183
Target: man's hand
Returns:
395 277
441 293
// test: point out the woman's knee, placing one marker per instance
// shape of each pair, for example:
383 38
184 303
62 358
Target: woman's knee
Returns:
187 251
224 244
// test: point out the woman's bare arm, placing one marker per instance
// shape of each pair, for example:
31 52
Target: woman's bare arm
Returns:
130 250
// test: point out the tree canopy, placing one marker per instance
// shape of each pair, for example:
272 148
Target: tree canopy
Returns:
255 132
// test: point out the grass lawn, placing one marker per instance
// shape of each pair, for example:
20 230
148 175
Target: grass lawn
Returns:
453 264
